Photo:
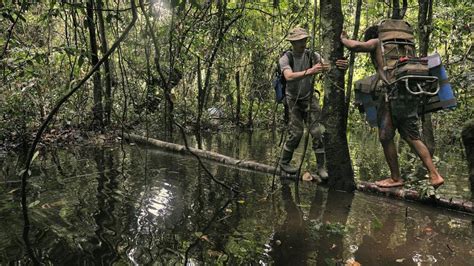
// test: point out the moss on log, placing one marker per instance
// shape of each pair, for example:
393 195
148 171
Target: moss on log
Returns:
413 195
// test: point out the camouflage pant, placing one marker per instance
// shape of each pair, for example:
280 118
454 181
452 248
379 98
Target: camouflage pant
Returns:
302 112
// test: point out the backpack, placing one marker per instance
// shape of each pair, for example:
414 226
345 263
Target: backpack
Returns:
279 81
401 65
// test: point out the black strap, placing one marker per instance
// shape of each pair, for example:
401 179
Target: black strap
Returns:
307 52
289 54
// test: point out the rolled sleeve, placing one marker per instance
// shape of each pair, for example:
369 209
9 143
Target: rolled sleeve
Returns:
284 63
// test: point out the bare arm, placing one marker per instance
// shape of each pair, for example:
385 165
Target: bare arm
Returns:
358 46
290 75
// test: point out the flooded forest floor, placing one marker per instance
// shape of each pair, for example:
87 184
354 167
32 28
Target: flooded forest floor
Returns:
128 204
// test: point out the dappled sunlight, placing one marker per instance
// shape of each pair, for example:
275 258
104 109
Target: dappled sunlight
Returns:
161 10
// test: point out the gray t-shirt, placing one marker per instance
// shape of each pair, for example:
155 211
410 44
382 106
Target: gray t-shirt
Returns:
301 88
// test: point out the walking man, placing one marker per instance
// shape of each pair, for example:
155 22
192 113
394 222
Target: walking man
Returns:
402 116
299 66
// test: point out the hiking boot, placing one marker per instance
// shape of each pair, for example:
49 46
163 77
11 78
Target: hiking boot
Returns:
285 163
320 161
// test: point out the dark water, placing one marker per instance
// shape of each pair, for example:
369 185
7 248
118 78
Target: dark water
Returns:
142 206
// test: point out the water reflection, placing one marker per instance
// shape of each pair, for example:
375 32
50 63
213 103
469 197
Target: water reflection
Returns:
291 244
138 206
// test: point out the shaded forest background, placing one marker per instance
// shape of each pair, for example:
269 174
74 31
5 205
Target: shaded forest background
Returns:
190 62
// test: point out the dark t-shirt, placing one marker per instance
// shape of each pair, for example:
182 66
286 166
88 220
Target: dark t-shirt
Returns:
301 88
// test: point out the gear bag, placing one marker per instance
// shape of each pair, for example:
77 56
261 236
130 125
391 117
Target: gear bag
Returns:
366 99
402 68
445 98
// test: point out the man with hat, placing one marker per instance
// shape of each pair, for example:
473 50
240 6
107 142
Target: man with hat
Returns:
299 66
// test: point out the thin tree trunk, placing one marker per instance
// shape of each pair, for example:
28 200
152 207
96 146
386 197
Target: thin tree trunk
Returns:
404 9
223 28
237 111
396 9
425 15
200 95
341 176
164 83
54 111
353 54
468 141
108 74
97 109
250 114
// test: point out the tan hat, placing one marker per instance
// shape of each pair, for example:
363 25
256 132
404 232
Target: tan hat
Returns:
296 34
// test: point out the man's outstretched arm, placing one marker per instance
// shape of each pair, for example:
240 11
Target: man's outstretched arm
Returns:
358 46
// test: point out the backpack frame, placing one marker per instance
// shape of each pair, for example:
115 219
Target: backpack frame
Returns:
401 65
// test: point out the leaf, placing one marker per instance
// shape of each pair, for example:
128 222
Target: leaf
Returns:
214 253
241 201
198 234
400 260
34 156
34 203
80 61
376 223
205 238
304 205
13 190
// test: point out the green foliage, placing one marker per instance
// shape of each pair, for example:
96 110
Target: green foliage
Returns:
49 51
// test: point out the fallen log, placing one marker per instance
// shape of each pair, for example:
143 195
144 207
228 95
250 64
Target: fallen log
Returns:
400 193
413 195
209 155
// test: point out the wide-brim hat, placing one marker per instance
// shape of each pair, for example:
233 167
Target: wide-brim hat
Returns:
296 34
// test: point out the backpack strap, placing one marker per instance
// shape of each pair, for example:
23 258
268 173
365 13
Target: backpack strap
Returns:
307 52
289 54
310 55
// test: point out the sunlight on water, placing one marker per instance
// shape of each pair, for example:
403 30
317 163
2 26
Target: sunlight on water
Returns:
424 259
158 201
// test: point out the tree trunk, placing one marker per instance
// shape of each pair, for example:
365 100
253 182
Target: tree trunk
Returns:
200 96
396 9
468 141
163 81
97 110
353 54
341 176
425 15
250 113
237 111
108 74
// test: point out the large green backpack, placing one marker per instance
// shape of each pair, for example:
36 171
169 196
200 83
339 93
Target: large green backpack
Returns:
401 65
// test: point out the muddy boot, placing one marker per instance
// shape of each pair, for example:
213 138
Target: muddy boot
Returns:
285 162
320 161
